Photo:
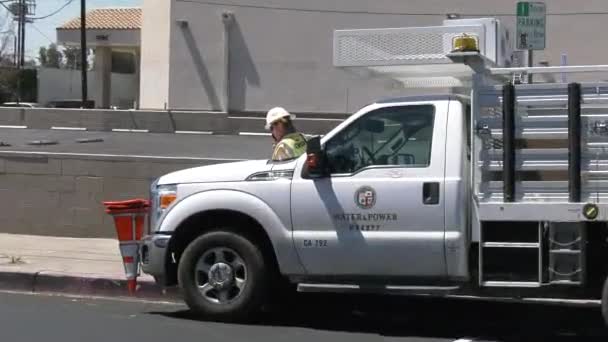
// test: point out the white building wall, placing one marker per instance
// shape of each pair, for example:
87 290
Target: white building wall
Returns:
155 46
58 84
281 50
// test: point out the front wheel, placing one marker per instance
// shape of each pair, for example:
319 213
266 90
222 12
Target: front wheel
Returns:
223 276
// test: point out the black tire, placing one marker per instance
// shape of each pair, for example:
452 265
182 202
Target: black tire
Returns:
605 302
256 289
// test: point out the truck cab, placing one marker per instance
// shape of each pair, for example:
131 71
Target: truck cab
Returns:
379 205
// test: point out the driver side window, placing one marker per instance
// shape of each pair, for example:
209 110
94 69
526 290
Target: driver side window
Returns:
400 136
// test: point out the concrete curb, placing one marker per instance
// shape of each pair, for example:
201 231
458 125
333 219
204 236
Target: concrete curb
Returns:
83 284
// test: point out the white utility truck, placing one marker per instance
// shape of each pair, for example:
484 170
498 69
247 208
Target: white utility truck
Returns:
497 188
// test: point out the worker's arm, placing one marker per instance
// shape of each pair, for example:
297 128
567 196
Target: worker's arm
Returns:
282 152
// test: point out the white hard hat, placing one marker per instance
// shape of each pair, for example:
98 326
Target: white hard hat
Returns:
275 114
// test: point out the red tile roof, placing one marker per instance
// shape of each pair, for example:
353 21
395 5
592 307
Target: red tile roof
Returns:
108 19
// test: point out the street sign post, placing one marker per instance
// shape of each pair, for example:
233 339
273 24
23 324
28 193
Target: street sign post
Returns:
531 25
531 28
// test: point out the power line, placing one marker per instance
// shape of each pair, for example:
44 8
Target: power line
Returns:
55 12
42 33
202 2
3 5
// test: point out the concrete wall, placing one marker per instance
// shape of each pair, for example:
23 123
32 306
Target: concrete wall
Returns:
57 84
155 45
154 121
63 195
281 50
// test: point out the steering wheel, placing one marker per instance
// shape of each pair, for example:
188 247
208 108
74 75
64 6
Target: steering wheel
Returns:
369 154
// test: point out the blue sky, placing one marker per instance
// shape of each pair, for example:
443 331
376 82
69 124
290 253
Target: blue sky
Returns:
35 39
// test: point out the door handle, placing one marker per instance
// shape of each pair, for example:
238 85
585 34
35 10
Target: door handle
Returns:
430 193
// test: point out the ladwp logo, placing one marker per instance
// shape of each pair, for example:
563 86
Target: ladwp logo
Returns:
365 197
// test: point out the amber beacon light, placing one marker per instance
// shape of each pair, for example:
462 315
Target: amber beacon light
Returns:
465 42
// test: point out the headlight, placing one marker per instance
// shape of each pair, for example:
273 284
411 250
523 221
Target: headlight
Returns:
161 198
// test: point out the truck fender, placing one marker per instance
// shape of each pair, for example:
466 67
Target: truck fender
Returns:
280 234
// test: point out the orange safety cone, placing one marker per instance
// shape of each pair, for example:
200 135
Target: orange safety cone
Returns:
130 260
129 219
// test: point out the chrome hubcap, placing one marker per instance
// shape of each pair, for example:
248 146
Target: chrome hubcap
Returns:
221 275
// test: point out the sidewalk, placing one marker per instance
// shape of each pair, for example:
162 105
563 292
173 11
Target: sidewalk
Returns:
69 265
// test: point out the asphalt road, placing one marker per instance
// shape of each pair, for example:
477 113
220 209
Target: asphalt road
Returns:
146 144
313 317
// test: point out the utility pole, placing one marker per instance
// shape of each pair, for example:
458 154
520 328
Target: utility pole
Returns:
17 16
22 12
83 50
15 39
18 59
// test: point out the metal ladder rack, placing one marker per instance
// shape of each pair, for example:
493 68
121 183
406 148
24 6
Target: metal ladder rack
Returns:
565 259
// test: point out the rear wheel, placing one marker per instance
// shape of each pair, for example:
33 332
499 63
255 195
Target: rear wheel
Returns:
223 276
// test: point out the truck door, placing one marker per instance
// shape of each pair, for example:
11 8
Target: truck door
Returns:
381 210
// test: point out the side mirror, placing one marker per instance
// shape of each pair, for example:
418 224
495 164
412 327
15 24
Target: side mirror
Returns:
315 165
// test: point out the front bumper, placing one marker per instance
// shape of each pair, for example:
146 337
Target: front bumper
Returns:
153 254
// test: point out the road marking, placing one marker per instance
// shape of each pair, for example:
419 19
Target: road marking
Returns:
194 132
13 126
69 128
463 340
130 130
246 117
255 134
59 154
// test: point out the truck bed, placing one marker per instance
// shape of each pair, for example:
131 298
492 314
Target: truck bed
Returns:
543 165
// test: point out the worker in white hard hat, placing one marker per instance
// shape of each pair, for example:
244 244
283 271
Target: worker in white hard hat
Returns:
289 144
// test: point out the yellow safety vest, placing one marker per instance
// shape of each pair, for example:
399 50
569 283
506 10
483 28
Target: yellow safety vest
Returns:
291 146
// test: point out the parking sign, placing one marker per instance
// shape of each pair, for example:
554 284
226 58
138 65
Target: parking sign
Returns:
531 25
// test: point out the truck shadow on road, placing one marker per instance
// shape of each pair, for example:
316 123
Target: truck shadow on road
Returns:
432 318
